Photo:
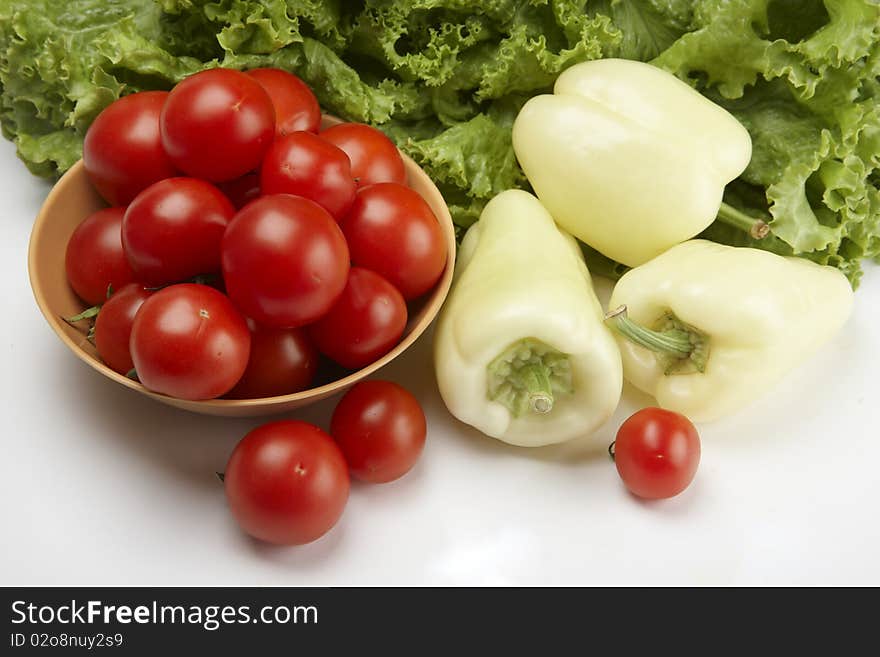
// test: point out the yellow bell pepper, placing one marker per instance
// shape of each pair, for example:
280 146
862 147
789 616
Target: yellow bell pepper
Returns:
520 348
630 159
707 328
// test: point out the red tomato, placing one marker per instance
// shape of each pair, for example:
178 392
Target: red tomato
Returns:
374 157
217 124
122 151
304 164
657 453
285 261
188 341
286 483
241 191
95 260
296 107
381 429
282 361
173 229
392 230
365 323
113 326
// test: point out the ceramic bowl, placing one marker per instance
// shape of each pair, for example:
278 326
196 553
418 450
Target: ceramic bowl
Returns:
72 199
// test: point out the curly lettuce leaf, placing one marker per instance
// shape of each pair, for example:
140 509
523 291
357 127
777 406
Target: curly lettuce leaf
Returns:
801 77
444 79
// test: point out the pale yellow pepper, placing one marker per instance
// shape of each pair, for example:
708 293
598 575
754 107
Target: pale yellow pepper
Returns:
521 350
708 328
630 159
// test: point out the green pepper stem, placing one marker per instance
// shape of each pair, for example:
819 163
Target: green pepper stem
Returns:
672 342
536 380
756 228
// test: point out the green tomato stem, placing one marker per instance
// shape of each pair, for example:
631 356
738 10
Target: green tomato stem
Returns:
88 313
756 228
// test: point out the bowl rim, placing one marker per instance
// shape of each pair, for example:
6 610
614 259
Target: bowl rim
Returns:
440 290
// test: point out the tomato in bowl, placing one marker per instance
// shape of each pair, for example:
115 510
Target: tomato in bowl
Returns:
73 199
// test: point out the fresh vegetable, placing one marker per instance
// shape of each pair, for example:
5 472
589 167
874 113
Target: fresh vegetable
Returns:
629 158
657 453
172 230
445 79
374 158
281 362
241 191
95 261
188 341
520 349
708 328
392 230
381 430
217 125
365 322
304 164
296 107
113 326
122 151
287 483
285 261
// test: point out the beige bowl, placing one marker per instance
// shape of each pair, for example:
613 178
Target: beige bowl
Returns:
73 199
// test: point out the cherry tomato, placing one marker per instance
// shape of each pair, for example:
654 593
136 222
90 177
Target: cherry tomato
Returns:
392 230
282 361
95 260
241 191
122 151
113 326
365 323
296 107
657 453
173 229
286 483
285 261
188 341
381 429
304 164
217 124
374 157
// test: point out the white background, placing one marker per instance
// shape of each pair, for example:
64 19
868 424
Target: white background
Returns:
101 485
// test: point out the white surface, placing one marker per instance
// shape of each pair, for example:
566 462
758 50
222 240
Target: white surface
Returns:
103 486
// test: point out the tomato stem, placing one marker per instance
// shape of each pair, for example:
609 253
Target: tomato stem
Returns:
88 313
611 449
200 279
221 476
133 375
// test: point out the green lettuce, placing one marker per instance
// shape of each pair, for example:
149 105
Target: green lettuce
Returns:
445 78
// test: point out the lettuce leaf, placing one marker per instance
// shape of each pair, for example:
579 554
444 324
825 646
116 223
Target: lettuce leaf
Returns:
444 79
802 77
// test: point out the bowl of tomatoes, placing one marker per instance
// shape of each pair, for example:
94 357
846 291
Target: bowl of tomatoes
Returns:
227 249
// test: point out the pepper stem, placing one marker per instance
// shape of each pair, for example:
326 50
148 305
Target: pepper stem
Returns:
528 376
756 228
671 342
679 347
536 380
